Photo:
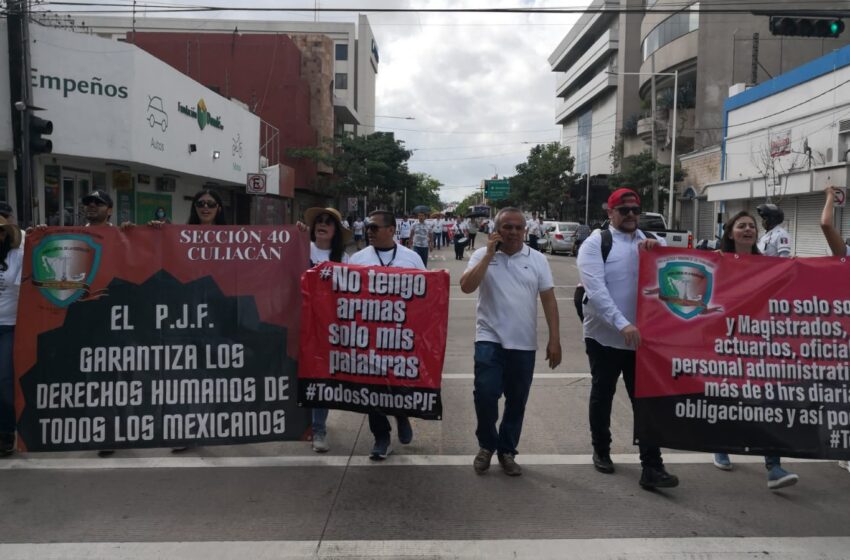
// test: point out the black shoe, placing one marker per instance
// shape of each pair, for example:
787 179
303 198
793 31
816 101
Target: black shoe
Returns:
602 462
482 460
7 444
105 453
509 464
657 477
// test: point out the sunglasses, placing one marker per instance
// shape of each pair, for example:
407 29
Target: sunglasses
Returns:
95 201
509 227
206 204
625 210
374 227
325 219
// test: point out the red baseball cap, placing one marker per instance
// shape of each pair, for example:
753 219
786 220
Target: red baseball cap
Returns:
617 197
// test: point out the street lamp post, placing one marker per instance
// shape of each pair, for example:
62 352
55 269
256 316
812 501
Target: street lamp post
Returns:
673 144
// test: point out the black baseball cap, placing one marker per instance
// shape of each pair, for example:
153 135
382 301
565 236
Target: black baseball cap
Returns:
98 196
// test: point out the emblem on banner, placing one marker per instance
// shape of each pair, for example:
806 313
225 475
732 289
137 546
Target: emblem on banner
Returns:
685 288
64 267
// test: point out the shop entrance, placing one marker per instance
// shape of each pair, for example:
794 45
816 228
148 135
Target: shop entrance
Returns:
75 185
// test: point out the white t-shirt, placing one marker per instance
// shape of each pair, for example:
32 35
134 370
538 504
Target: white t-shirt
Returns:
507 297
399 257
318 256
358 227
775 243
421 234
10 285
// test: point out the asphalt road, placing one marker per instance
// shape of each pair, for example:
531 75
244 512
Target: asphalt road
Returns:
280 500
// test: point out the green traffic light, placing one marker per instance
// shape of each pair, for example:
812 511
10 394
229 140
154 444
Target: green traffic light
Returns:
834 28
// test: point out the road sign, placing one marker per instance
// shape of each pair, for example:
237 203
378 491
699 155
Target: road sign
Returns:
497 189
352 204
256 183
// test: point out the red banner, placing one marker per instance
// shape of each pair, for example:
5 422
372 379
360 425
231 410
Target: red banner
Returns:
158 337
744 354
373 339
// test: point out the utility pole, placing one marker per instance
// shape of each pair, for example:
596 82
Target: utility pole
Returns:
19 88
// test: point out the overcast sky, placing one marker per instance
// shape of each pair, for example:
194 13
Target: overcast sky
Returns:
478 86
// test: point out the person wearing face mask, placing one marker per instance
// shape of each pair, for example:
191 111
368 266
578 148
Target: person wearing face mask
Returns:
328 239
610 335
740 236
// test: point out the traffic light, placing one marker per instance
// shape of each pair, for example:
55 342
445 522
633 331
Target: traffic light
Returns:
806 26
37 128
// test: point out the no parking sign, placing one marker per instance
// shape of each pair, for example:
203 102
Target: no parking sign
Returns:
256 183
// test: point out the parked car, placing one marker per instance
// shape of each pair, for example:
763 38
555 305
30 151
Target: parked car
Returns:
562 237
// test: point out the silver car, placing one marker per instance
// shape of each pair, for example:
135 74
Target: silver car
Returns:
561 238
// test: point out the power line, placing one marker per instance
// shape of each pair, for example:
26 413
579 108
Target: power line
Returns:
663 9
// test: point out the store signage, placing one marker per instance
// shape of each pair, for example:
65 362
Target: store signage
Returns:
201 114
88 86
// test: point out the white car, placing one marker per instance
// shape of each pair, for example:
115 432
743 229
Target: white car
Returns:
561 238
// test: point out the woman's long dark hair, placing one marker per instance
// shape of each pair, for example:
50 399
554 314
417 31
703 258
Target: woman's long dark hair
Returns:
727 244
194 219
5 247
337 246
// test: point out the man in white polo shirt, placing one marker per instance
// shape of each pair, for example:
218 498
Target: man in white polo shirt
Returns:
511 276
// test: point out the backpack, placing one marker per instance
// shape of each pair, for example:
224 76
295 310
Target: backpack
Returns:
580 297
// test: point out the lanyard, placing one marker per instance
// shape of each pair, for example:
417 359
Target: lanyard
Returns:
380 260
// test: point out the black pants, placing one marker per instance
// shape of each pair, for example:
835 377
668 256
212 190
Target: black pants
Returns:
379 424
606 364
459 247
532 242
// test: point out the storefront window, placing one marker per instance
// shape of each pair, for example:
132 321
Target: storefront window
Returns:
52 197
4 187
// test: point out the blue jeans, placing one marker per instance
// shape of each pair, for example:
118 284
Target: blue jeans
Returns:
7 380
501 372
422 252
320 421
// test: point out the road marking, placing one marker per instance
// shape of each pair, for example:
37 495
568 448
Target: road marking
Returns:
22 462
536 376
698 548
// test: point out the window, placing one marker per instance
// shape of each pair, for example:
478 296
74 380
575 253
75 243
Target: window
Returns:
341 51
341 80
4 187
671 29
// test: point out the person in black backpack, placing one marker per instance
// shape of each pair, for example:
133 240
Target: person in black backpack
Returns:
608 265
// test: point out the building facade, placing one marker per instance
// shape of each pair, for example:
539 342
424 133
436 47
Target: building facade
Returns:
710 52
784 141
128 123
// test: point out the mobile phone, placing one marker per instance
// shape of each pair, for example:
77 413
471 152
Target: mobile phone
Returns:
498 245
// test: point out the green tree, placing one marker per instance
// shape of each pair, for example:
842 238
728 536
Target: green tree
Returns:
425 191
472 200
637 173
544 182
373 165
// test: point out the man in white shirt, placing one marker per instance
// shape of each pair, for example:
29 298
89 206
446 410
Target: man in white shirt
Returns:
384 251
535 231
404 231
610 335
421 235
511 276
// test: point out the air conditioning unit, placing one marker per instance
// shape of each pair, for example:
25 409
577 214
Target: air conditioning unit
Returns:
166 184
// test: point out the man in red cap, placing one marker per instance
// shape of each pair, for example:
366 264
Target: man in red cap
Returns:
608 264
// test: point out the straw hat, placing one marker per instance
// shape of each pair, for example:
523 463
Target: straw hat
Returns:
12 230
311 214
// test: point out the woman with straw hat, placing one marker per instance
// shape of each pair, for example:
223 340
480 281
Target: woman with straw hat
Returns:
327 243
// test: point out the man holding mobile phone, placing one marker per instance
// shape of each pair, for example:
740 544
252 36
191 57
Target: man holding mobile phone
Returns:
511 277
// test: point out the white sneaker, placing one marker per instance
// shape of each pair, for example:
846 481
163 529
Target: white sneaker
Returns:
320 443
844 465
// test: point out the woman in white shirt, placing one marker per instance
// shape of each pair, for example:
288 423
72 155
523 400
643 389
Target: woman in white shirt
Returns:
327 243
11 262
